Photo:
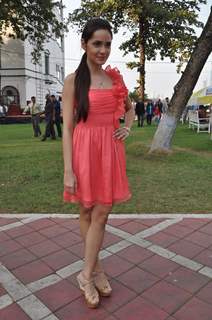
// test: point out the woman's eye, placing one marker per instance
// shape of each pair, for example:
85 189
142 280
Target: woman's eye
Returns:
97 43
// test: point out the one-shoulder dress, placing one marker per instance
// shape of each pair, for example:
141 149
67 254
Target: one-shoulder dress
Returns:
98 158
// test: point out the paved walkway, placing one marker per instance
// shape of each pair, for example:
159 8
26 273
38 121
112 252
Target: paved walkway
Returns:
160 268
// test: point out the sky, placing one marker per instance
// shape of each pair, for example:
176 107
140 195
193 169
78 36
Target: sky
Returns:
161 76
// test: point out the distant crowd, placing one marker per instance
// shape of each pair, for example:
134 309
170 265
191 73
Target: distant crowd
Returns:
151 111
52 114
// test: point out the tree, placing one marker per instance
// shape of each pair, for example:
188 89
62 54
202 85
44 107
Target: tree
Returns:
157 26
183 90
36 20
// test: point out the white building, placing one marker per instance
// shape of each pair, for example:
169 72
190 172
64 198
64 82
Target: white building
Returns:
20 79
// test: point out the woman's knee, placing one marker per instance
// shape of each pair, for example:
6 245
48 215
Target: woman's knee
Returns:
85 213
100 214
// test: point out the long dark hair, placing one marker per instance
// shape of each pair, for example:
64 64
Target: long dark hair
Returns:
82 74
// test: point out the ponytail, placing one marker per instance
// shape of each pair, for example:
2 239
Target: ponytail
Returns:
82 85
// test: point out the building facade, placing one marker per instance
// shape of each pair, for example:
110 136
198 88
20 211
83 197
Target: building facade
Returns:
20 79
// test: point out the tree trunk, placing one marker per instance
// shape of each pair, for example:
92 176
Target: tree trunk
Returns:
183 90
142 59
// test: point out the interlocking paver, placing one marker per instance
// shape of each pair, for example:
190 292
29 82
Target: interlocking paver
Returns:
31 238
166 296
17 258
194 309
200 238
133 227
187 279
163 239
151 222
34 308
194 224
5 221
120 296
13 312
68 223
118 222
137 279
53 231
115 265
206 228
138 309
205 257
110 239
58 295
186 248
159 266
135 254
41 224
44 248
77 249
178 231
60 259
32 271
4 236
205 293
19 231
9 246
67 239
159 269
77 310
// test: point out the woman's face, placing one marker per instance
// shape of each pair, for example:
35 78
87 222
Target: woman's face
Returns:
98 47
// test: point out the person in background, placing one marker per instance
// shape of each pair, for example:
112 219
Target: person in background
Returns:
157 113
202 113
57 116
49 118
149 112
35 111
165 105
140 112
160 107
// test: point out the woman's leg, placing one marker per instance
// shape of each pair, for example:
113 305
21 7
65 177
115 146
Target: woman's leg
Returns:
92 228
94 238
85 221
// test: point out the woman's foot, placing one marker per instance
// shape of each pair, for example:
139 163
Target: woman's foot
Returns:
89 290
102 284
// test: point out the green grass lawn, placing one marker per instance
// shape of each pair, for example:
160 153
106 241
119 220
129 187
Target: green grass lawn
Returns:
31 173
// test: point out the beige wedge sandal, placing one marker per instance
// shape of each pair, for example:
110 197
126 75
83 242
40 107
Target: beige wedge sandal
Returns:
88 289
102 284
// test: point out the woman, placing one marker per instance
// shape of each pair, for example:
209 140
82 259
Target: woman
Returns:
94 158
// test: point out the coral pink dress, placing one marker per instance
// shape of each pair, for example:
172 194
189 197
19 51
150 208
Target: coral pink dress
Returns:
98 157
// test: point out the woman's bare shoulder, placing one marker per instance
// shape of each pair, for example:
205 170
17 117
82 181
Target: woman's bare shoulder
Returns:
70 79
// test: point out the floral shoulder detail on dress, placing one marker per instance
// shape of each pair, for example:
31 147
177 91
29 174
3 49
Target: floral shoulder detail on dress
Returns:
119 90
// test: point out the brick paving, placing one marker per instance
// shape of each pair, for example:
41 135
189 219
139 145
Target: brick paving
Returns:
160 268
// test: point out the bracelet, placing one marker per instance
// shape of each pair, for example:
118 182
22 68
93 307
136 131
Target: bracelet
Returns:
128 129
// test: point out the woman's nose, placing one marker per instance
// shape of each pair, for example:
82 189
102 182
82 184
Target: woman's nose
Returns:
103 49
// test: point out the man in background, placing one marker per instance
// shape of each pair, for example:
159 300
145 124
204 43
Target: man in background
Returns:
49 118
140 112
57 116
35 112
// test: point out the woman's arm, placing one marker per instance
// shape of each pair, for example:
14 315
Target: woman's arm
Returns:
130 114
68 127
123 132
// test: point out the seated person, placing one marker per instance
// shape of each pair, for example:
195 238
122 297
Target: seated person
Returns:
202 113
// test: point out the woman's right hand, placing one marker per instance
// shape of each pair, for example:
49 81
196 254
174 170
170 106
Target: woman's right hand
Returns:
70 182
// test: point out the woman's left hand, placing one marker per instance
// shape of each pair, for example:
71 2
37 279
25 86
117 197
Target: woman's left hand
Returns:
121 133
